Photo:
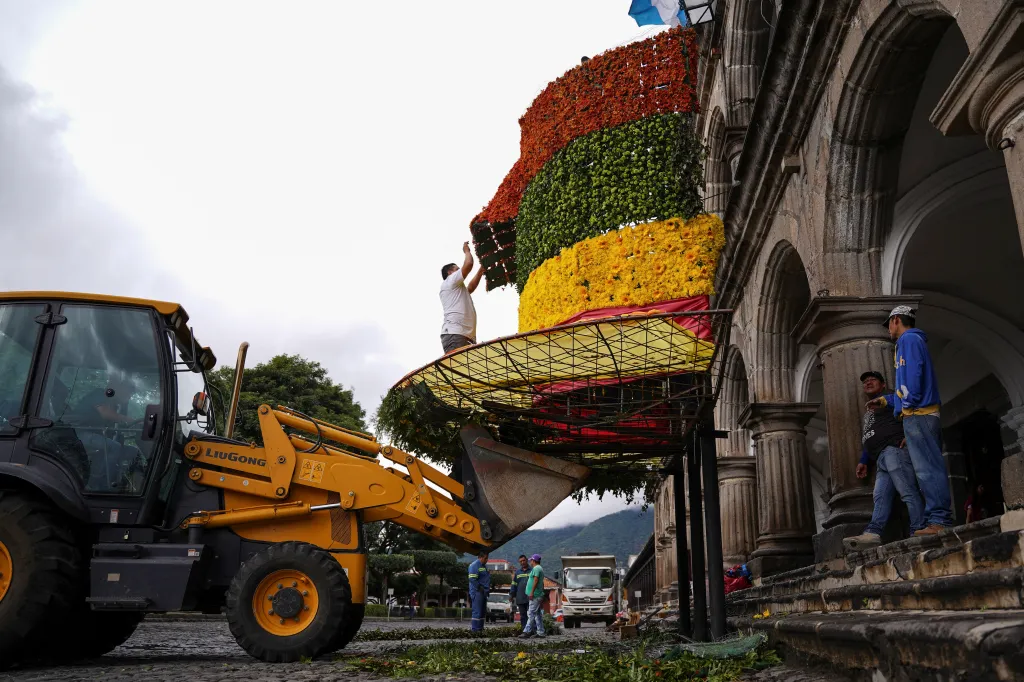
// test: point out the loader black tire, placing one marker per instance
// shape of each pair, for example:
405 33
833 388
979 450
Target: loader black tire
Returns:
91 634
325 626
46 581
353 621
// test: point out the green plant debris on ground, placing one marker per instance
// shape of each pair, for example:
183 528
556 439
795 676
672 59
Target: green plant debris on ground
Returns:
516 662
437 633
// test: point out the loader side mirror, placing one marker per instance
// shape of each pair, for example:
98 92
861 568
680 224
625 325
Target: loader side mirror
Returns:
201 404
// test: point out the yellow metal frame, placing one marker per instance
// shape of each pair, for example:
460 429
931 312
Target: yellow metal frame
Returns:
288 473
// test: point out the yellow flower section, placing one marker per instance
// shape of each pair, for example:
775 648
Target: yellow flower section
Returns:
633 266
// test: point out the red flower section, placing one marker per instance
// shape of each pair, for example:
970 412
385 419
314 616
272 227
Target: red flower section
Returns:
654 76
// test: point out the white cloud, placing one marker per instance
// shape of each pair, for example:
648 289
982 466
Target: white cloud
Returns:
293 173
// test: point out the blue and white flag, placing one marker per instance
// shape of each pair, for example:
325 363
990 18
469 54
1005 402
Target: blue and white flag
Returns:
658 12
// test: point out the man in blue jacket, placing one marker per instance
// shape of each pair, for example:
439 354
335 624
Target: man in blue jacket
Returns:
479 586
518 594
916 402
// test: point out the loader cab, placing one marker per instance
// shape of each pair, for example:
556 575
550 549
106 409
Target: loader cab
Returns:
89 401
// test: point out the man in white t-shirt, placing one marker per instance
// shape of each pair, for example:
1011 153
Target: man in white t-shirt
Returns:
459 328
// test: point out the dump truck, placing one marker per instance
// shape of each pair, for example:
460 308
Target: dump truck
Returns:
118 498
589 589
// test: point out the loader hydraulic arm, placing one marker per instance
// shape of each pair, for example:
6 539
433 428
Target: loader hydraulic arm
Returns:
288 463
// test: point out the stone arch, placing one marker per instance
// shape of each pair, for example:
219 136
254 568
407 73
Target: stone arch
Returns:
975 179
873 115
717 175
785 295
748 25
732 400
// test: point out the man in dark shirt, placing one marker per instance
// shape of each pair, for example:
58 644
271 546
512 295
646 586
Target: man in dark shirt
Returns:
517 594
883 441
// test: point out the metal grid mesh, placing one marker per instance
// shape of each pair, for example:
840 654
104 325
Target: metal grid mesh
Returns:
609 391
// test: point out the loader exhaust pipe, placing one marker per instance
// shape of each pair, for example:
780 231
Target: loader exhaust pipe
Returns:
236 390
510 489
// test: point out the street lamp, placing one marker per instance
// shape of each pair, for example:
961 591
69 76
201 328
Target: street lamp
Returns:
700 11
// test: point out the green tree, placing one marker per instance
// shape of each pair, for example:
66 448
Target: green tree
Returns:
384 566
432 562
288 380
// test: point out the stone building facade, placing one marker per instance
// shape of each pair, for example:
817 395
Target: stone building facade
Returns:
863 154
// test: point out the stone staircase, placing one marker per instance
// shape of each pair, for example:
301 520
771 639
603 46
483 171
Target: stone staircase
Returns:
948 606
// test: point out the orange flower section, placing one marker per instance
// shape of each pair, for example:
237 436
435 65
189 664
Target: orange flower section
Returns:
633 266
653 76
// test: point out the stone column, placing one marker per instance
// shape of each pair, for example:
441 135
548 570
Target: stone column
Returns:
737 486
1012 473
851 340
987 97
785 511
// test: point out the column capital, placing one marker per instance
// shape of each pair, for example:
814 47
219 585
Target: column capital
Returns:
830 320
764 418
987 93
730 468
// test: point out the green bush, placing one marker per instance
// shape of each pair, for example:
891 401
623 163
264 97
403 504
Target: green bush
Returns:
645 170
376 610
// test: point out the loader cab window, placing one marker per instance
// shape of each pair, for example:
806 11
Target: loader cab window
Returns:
18 334
104 374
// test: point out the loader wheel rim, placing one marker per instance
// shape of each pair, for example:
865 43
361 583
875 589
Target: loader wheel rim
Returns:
285 602
6 570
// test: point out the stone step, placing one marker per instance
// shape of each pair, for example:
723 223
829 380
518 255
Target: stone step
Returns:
939 646
990 589
949 537
992 551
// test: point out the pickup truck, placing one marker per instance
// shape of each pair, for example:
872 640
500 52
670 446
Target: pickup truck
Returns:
499 608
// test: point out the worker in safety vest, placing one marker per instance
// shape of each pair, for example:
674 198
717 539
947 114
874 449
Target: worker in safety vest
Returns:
518 594
479 586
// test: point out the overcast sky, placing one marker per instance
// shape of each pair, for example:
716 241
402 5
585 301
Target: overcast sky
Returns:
294 173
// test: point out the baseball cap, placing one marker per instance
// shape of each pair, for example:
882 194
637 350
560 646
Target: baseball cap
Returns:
536 557
872 373
899 310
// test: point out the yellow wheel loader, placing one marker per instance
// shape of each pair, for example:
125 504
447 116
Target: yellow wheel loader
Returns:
118 499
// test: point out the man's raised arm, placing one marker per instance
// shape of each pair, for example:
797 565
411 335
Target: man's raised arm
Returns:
467 264
471 285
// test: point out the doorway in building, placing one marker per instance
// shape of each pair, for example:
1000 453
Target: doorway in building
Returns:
983 455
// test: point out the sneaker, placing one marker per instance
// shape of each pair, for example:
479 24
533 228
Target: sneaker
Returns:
930 530
859 543
526 635
541 636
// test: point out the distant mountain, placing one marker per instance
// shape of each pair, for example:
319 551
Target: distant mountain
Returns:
622 533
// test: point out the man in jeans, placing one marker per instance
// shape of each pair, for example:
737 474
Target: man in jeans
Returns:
916 402
459 328
535 590
883 441
518 595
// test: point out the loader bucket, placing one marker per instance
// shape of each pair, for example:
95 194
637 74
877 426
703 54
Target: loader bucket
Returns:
510 489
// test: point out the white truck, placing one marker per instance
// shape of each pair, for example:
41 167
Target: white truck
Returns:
590 589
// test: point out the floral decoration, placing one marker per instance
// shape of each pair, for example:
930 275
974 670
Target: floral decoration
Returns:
633 266
648 77
644 170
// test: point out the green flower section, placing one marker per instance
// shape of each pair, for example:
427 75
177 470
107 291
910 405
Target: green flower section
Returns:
651 169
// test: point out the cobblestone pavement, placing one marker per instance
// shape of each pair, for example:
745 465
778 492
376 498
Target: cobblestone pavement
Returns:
203 650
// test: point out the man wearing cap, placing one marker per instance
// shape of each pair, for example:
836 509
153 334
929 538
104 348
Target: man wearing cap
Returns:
916 402
883 441
535 590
